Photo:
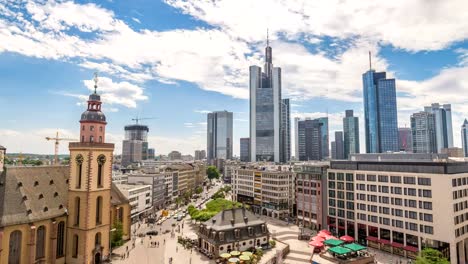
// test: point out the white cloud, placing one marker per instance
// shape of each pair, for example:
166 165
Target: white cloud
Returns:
136 20
202 111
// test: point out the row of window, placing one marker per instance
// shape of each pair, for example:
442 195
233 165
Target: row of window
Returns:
460 206
341 176
98 213
461 218
460 193
341 195
101 160
461 231
306 184
459 182
394 190
394 179
395 201
396 223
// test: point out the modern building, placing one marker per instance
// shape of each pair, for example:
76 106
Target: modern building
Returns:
219 135
296 138
175 155
265 110
423 130
453 152
443 124
233 229
269 190
464 135
350 134
285 151
151 153
156 180
339 145
401 203
135 144
311 195
325 137
380 112
310 139
405 139
200 154
140 197
245 149
229 167
333 150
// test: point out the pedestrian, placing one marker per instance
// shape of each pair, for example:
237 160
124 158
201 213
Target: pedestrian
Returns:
176 249
128 254
127 248
164 242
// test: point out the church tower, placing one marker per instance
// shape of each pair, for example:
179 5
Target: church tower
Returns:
89 199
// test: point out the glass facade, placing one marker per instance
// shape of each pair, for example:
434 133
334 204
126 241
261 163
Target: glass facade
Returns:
325 137
310 140
380 112
405 139
350 134
423 133
245 149
464 134
219 135
285 151
443 124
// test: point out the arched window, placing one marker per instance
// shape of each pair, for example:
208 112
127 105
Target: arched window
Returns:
77 211
91 139
60 239
97 239
82 138
14 250
101 159
79 165
99 210
100 139
75 246
40 242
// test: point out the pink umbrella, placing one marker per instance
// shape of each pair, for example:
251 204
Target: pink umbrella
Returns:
324 235
347 238
325 231
318 238
316 244
331 237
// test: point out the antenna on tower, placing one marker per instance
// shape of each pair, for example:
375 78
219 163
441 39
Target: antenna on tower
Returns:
268 39
370 61
95 81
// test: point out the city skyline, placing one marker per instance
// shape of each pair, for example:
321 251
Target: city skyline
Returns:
322 64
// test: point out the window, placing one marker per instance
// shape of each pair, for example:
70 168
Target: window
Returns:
99 210
397 190
409 180
424 181
83 128
40 242
340 176
97 239
427 205
60 239
383 178
395 179
331 185
371 178
411 203
79 164
385 210
349 196
100 139
349 177
384 189
411 191
398 212
331 202
77 211
412 215
398 223
91 139
91 128
385 200
427 193
428 230
101 159
75 246
349 186
360 177
100 129
331 176
426 217
350 205
411 226
14 250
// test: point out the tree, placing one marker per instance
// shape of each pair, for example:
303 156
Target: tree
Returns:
117 234
212 172
198 190
431 256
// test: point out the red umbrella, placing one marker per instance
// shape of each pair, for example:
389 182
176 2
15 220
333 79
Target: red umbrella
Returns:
324 235
316 244
318 238
347 239
331 237
325 231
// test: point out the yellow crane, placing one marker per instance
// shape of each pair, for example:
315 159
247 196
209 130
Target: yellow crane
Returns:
57 140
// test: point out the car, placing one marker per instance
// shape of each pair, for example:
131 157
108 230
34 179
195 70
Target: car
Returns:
152 233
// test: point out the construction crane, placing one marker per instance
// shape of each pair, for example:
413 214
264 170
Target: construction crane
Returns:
142 118
57 140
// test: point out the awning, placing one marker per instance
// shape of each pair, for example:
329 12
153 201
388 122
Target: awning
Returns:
355 247
371 238
333 242
397 245
384 241
411 248
339 250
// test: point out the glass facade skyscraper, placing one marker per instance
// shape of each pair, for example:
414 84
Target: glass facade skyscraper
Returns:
325 137
405 139
380 112
423 131
464 134
310 139
443 124
285 151
219 135
245 149
350 133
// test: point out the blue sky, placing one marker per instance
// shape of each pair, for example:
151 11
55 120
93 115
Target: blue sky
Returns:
175 60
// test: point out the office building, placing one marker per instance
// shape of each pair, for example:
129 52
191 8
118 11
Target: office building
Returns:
405 139
333 150
296 138
269 190
339 145
285 151
310 139
140 197
325 137
464 135
245 149
200 154
151 153
380 112
219 135
350 134
453 152
265 110
156 180
401 203
423 132
135 144
443 124
174 155
311 196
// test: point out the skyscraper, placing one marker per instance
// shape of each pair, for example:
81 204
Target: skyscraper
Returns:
219 135
333 150
310 139
443 125
325 137
464 135
380 111
351 134
296 138
339 145
285 150
245 149
135 144
423 132
265 110
405 139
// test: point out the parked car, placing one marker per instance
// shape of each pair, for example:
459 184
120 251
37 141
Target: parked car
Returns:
152 233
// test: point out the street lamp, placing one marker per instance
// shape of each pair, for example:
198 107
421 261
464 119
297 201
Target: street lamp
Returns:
110 244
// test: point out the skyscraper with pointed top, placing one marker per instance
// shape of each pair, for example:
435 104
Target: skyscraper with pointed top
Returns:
464 134
265 111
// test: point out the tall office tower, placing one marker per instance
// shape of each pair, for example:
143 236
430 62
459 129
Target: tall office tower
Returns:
135 144
350 133
405 139
339 145
197 155
296 138
310 140
219 135
380 111
325 137
333 150
443 124
423 130
464 134
202 154
285 150
265 110
151 154
245 149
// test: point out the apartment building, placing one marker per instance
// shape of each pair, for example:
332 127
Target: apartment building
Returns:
401 203
269 190
140 197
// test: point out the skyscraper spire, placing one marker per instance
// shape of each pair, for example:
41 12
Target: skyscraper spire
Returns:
268 40
370 61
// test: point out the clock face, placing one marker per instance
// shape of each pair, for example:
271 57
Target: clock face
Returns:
79 159
101 159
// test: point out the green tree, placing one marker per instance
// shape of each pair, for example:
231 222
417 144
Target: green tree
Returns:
212 172
117 234
198 190
431 256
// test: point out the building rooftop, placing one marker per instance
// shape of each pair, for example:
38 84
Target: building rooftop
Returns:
130 187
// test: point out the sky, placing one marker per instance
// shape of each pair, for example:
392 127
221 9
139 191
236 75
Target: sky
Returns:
175 60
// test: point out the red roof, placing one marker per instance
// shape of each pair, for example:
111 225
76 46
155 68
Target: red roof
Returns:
371 238
411 248
347 238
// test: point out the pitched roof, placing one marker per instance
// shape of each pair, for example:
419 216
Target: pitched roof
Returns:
233 218
117 197
29 194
